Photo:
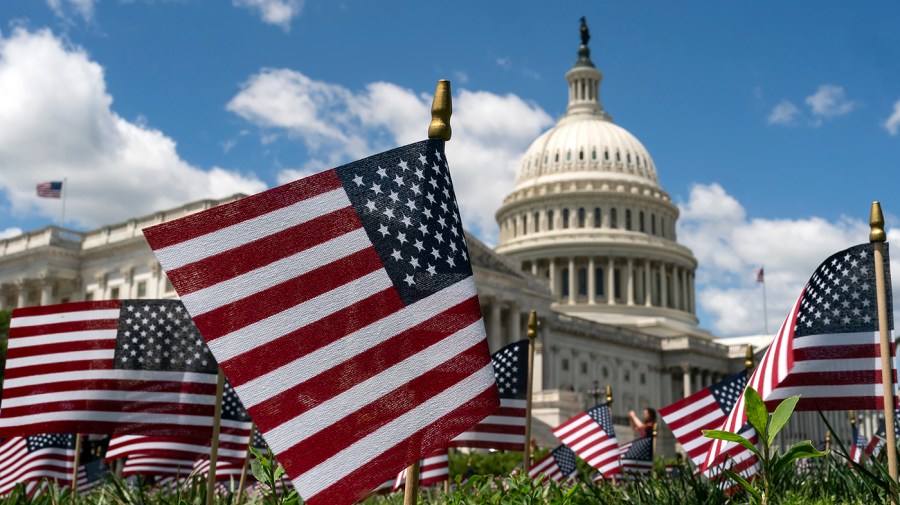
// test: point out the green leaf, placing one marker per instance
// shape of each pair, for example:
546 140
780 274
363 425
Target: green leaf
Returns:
279 471
732 437
256 468
756 412
780 417
799 450
746 485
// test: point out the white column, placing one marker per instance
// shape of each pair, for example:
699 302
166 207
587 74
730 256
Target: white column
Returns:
663 287
686 379
630 276
552 270
592 281
515 323
534 267
610 282
47 290
648 288
676 288
572 281
495 339
22 298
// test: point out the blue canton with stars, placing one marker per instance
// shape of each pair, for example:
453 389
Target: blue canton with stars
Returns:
511 370
50 441
601 414
840 296
565 460
406 202
727 391
159 335
641 450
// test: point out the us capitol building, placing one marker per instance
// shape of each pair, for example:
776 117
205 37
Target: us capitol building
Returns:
587 239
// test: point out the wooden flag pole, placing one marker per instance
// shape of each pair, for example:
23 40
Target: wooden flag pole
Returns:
439 128
214 445
529 390
877 237
76 463
243 480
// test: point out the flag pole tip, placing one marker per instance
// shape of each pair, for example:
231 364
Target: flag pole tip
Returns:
876 224
441 109
748 357
609 397
532 324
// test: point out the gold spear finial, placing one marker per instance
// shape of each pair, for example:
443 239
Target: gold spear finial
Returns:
748 357
532 324
609 398
852 418
441 109
876 223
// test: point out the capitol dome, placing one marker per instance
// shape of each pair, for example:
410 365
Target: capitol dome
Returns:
588 216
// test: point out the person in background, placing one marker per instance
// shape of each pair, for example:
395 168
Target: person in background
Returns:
642 427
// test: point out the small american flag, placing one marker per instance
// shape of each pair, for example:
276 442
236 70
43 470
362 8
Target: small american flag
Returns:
828 348
858 445
91 475
33 458
637 456
342 308
433 469
559 465
117 366
51 189
707 410
760 275
873 449
592 436
505 429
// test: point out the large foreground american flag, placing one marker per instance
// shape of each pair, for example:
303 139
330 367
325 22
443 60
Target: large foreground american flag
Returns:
343 310
592 436
828 348
707 410
123 366
505 428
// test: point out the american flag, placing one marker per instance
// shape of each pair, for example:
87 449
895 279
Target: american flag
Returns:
636 457
828 348
33 458
760 275
123 366
873 449
433 468
858 445
707 410
504 429
51 189
234 436
592 436
91 475
559 465
342 308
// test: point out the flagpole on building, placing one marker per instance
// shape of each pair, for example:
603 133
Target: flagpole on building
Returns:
214 445
76 463
877 237
439 128
65 192
529 389
609 401
243 480
765 305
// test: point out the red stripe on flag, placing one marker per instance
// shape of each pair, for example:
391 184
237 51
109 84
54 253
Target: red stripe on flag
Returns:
52 368
838 352
65 308
111 385
61 347
74 406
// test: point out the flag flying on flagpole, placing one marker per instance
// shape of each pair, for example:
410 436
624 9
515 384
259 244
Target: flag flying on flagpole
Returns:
343 310
707 410
760 275
858 444
558 466
828 348
35 457
50 189
592 436
116 366
636 457
505 429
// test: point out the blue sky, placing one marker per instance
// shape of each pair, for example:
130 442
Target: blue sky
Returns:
773 125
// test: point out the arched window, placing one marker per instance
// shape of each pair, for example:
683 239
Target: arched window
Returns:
537 222
512 224
581 218
565 217
617 285
550 219
565 282
568 155
593 154
582 282
606 155
613 218
653 224
618 156
557 158
598 282
662 226
597 217
641 220
525 224
628 219
628 158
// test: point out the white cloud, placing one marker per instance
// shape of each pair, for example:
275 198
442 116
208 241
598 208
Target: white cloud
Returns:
275 12
460 77
892 124
829 101
490 132
83 8
10 232
730 247
504 62
115 168
784 113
